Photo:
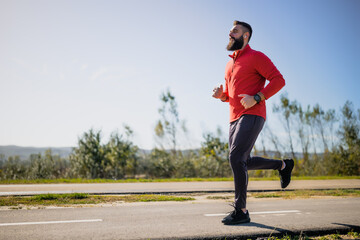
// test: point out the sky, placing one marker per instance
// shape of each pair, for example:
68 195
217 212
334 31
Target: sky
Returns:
69 66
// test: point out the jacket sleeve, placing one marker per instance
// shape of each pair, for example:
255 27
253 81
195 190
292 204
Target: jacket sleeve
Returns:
267 69
226 91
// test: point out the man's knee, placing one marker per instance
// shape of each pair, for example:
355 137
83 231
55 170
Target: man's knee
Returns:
238 159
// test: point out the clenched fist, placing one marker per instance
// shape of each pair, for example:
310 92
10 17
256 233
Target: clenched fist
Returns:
247 101
218 92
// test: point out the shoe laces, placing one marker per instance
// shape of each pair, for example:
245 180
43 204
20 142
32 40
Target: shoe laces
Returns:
235 209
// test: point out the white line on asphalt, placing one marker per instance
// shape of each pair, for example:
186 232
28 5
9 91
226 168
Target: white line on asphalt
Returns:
272 212
254 213
50 222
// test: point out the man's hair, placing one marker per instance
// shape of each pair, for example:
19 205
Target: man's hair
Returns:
246 27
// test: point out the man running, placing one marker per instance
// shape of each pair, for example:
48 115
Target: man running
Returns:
245 76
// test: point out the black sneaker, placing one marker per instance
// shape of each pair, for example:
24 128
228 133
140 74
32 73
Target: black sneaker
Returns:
285 174
236 217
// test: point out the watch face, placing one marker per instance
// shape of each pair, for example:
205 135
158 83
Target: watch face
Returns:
257 98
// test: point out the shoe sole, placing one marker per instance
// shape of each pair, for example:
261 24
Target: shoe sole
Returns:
238 222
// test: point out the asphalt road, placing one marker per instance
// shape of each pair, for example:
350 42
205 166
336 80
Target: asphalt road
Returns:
185 220
170 187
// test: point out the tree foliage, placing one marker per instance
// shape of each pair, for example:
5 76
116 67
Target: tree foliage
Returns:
214 156
169 126
115 159
329 142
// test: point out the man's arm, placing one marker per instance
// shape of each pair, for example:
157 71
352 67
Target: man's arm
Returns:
268 70
219 93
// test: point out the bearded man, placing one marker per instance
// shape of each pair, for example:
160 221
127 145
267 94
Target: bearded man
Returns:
246 93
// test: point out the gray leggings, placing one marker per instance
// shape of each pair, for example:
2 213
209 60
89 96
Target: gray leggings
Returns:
242 136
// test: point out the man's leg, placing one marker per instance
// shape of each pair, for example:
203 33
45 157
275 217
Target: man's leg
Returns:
242 137
257 163
284 167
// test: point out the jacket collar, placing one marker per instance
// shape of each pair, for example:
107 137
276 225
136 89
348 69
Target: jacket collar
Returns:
238 53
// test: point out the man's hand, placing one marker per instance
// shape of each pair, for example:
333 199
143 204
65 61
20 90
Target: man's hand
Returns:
247 101
219 92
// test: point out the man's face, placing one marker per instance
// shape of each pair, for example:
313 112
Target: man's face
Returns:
236 39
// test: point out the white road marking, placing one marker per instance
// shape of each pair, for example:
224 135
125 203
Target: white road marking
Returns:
215 214
254 213
274 212
50 222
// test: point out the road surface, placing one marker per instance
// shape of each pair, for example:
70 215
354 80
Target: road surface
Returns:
184 220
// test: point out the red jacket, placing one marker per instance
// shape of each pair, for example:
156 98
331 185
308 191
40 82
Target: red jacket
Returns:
246 73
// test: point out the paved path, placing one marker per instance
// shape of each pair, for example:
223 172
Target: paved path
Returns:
170 187
187 220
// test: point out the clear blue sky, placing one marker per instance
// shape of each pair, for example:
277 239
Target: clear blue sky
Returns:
68 66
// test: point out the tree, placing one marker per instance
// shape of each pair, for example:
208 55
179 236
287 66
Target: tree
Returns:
186 164
116 159
48 166
168 131
88 159
214 156
303 135
169 125
13 168
310 120
330 119
349 153
121 155
287 109
161 164
319 114
350 127
2 162
274 140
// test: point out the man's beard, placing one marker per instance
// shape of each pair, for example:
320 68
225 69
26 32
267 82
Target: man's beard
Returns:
235 44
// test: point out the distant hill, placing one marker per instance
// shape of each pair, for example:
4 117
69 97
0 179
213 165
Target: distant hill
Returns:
25 152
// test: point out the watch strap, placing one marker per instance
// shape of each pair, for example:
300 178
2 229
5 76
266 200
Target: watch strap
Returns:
257 98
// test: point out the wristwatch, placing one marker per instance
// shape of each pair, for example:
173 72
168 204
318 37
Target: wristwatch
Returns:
257 98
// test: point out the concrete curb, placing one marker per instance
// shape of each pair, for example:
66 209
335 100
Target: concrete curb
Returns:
172 187
25 194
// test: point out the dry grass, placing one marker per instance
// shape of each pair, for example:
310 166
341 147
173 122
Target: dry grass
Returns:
336 236
308 194
81 198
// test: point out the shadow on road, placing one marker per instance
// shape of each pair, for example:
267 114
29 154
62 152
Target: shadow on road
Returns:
260 225
276 231
353 227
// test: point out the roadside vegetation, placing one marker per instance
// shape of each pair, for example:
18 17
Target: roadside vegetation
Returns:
334 236
82 199
329 141
308 193
144 180
303 236
293 194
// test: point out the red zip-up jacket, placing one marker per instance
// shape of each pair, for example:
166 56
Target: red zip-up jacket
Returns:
246 73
